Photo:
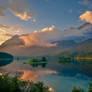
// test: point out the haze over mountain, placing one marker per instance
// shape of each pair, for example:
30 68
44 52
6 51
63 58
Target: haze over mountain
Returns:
38 43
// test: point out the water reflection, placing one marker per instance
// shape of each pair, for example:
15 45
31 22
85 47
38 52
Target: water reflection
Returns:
5 58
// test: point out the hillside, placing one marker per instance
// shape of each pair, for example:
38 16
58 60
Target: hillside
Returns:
83 48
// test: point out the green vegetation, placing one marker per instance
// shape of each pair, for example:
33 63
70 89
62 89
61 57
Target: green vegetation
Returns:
35 62
8 84
80 58
64 59
77 90
82 90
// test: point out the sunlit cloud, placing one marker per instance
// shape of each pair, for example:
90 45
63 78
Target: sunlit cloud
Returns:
19 8
4 36
46 29
32 40
43 37
87 16
7 32
22 11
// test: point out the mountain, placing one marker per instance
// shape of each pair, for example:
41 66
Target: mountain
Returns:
16 46
85 26
84 48
66 43
31 45
85 33
87 30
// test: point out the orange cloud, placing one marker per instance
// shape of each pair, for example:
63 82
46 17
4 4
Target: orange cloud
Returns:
33 75
4 36
24 16
32 40
6 32
87 16
46 29
19 8
29 75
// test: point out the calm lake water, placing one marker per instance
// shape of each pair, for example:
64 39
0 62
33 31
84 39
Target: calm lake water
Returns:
58 82
64 84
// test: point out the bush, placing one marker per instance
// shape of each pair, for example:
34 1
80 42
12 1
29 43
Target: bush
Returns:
8 84
77 90
35 62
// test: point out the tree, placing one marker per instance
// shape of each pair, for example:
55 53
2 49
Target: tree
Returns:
35 62
44 62
44 59
90 87
8 84
77 90
64 59
59 59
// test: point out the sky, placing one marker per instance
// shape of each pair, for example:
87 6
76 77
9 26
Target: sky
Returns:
25 16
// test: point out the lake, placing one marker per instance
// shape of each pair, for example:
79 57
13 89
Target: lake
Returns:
68 76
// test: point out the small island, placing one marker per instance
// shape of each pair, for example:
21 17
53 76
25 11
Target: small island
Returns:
35 62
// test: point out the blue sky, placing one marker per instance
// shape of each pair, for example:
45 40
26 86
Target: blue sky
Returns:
61 13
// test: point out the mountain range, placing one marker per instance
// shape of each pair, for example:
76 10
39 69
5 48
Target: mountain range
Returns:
69 44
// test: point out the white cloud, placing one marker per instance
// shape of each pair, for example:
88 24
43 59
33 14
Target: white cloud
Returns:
87 16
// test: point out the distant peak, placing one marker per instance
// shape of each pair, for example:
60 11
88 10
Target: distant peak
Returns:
84 25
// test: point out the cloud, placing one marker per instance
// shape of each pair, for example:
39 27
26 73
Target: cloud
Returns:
32 40
33 75
46 29
28 75
44 37
19 8
87 16
7 32
51 33
4 36
11 29
3 26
